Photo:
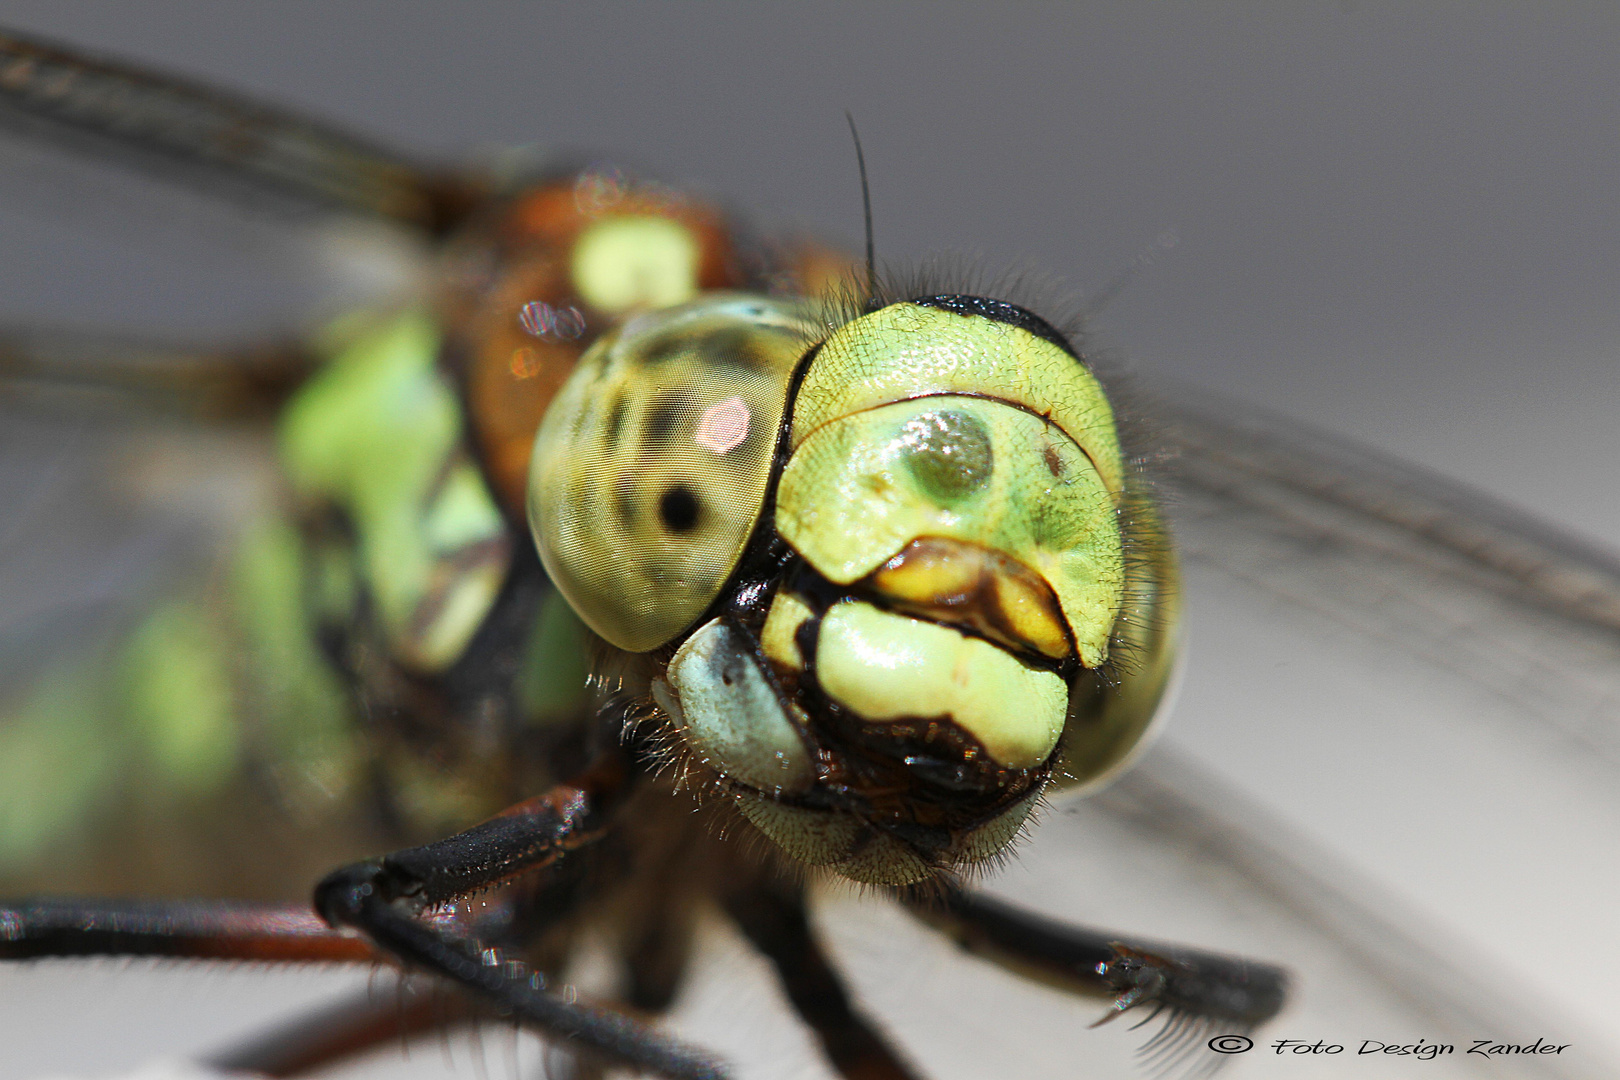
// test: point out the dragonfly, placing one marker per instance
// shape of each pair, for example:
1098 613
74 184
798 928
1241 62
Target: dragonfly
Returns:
1258 495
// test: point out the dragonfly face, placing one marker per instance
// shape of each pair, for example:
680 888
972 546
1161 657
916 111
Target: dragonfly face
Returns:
909 536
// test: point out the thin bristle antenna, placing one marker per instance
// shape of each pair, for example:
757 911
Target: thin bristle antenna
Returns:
866 208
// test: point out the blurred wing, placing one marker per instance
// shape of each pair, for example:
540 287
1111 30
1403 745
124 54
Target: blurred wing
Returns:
153 638
124 466
1424 685
1409 558
64 376
150 588
183 129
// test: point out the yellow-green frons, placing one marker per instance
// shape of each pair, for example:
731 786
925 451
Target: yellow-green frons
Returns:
853 495
888 667
949 453
651 465
907 351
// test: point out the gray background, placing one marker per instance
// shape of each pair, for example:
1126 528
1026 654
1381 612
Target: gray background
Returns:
1395 222
1398 221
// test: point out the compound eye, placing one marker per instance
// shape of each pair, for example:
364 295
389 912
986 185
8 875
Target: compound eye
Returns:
650 467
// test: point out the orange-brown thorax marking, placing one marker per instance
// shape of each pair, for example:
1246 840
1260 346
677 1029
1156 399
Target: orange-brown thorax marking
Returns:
526 254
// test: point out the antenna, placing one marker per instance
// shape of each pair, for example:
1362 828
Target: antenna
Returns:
866 205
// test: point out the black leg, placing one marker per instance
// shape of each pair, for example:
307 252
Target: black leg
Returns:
773 917
196 929
655 961
385 900
221 930
1217 990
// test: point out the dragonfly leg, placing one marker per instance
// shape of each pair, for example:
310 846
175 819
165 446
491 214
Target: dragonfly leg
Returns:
389 899
194 929
1212 987
655 962
775 921
223 930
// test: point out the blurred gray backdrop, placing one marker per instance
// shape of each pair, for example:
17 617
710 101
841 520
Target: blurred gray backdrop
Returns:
1396 221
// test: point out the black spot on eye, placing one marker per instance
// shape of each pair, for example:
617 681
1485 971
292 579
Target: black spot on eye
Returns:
664 349
663 416
734 346
678 509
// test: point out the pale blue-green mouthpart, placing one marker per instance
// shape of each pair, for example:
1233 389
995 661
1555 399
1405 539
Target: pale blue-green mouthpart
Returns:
731 715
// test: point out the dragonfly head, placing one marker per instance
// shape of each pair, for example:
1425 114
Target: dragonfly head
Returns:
880 572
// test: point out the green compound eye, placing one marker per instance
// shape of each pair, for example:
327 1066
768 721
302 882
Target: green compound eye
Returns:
652 463
949 454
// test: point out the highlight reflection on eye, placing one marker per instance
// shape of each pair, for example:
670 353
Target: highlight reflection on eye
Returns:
724 425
